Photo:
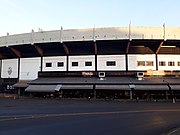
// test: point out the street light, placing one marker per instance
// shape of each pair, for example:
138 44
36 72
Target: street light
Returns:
132 87
171 91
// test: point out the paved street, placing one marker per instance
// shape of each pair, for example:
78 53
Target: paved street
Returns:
83 117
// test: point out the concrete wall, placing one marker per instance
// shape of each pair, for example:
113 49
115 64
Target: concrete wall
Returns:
91 34
147 32
111 33
119 59
46 36
172 33
77 34
16 39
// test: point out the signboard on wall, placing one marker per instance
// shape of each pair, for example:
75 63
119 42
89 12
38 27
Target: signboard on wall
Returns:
9 68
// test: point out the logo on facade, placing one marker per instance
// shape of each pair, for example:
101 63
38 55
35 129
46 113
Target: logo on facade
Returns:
9 70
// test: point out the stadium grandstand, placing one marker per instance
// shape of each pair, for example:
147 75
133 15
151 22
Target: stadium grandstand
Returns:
115 63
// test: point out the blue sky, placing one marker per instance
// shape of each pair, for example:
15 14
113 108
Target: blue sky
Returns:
21 16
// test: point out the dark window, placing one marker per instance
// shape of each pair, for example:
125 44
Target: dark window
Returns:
74 64
149 63
88 63
48 64
111 63
140 63
162 63
178 63
171 63
60 64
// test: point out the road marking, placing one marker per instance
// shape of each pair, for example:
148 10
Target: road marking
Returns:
174 131
36 116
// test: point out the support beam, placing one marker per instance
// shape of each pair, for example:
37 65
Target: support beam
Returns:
156 57
94 34
67 63
41 69
128 45
127 50
15 51
61 32
39 50
66 49
18 68
126 57
157 51
95 48
95 52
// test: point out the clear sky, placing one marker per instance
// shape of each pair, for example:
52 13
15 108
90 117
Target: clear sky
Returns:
21 16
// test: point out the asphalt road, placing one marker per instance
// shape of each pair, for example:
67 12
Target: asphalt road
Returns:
82 117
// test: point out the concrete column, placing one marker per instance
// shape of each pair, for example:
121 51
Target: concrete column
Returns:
131 95
67 63
19 92
94 91
61 93
166 95
94 94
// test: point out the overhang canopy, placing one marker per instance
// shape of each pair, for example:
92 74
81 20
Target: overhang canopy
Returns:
43 88
112 87
21 84
175 87
77 87
151 87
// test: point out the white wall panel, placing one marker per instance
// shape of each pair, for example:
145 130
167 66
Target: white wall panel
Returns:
54 60
172 33
3 41
147 32
16 39
46 36
29 68
77 34
119 59
9 68
112 33
133 59
167 58
81 63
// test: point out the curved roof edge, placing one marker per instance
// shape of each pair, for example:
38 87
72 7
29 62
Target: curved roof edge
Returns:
92 34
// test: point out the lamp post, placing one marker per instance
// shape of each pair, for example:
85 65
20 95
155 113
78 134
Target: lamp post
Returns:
132 87
171 91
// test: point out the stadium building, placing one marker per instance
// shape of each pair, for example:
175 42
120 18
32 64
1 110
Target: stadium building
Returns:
114 63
